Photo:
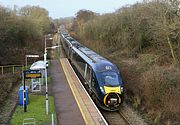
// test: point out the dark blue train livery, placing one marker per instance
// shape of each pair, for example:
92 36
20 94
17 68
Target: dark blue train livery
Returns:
100 77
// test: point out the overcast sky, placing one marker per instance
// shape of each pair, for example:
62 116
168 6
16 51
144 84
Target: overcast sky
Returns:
66 8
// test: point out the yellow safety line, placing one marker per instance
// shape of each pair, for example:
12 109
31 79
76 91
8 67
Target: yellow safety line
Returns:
83 114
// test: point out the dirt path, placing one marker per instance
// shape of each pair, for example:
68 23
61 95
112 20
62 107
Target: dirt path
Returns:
9 106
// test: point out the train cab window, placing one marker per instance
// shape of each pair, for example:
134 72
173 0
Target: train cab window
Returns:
110 79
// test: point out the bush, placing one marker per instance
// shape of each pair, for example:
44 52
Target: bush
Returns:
160 90
20 29
136 28
6 85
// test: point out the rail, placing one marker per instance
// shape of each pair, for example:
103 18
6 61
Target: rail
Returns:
11 69
129 123
115 118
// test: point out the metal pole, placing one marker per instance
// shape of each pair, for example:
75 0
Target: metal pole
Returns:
26 61
2 70
13 69
45 54
45 50
46 91
24 91
52 119
45 57
45 42
22 68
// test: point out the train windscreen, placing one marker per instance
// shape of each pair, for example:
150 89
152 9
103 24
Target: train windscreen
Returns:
110 79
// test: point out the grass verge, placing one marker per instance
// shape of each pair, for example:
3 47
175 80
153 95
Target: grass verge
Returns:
35 109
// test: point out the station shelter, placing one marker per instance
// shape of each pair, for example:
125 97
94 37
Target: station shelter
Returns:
36 83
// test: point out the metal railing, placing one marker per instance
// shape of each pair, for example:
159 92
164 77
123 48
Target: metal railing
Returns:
29 121
11 69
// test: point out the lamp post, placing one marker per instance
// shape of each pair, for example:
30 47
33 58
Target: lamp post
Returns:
46 89
45 60
45 54
45 57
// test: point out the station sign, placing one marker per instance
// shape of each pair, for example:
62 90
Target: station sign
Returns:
32 74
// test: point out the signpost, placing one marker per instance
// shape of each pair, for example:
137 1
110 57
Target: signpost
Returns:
33 56
29 74
32 74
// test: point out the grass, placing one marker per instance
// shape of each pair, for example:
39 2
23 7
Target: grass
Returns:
35 109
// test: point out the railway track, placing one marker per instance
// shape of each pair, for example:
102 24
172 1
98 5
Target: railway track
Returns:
115 118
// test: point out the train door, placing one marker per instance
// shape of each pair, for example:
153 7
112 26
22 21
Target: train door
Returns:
88 75
93 83
94 87
71 55
68 54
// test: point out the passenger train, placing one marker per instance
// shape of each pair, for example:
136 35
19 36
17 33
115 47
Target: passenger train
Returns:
100 77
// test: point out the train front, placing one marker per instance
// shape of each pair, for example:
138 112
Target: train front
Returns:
110 94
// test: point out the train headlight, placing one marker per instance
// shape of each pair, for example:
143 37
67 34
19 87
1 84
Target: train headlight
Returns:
102 89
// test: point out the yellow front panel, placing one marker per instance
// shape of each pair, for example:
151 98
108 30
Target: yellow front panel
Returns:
112 89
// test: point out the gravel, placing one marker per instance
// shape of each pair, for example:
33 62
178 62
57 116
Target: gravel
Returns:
132 116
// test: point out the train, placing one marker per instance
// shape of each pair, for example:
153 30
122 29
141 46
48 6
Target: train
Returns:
101 78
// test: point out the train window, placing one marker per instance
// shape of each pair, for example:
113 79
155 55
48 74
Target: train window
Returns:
110 78
80 63
85 70
78 58
66 44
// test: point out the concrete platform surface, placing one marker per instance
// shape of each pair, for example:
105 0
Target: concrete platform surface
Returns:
67 110
89 111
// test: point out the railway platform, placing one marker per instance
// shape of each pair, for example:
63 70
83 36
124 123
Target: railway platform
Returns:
72 102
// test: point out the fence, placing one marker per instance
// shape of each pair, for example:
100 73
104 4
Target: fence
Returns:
11 69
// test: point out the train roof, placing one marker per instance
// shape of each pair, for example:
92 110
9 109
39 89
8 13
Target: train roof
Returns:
65 34
73 42
96 61
92 55
70 38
